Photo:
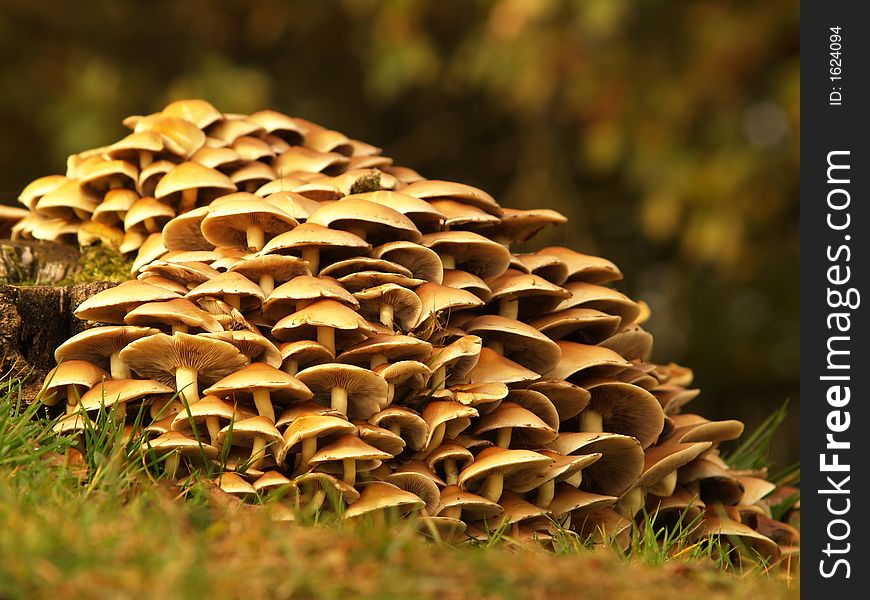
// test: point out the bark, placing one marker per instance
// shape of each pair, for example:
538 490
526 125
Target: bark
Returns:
29 261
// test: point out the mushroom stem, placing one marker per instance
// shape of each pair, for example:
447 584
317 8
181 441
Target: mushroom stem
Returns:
448 261
267 283
309 449
493 487
146 157
214 427
291 367
349 465
187 384
326 336
503 437
233 300
312 256
575 480
546 492
256 237
509 307
631 502
591 420
440 376
387 315
357 231
395 428
454 512
503 240
179 328
496 346
339 400
188 200
117 368
316 501
391 392
73 395
170 465
258 452
151 225
451 471
665 486
263 402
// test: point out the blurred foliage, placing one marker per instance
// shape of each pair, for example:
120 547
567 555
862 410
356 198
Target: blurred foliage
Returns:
667 131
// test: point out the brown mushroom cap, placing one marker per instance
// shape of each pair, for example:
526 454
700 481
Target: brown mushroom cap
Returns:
118 391
694 428
357 264
423 262
627 409
251 344
521 225
419 485
568 499
590 360
230 223
67 201
257 376
743 536
405 423
366 392
69 373
175 441
619 467
304 353
348 448
495 460
520 342
424 215
660 461
458 360
184 232
160 356
230 285
582 267
111 305
605 299
586 325
309 426
245 433
309 237
470 252
432 189
446 419
208 407
298 159
175 313
379 495
97 344
463 280
38 188
387 347
526 428
632 343
280 268
191 175
493 367
436 298
375 222
567 398
391 304
302 324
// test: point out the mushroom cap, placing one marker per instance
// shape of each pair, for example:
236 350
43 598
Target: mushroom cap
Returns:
483 396
254 149
549 267
175 441
460 358
619 467
413 429
583 267
274 480
361 280
379 495
627 409
305 287
472 252
172 312
97 344
227 223
382 439
279 124
250 294
538 403
366 391
449 451
323 313
590 360
235 484
458 215
191 175
114 391
523 343
518 225
151 175
70 372
73 423
350 447
516 510
632 343
410 374
199 112
180 136
217 158
380 222
298 159
454 415
405 303
754 489
302 409
112 304
528 428
431 189
245 431
463 280
158 356
38 188
336 488
563 467
306 352
314 426
745 537
282 388
147 208
660 461
357 264
568 399
585 325
65 199
716 483
537 295
605 299
328 140
567 499
493 367
423 262
473 506
694 428
187 273
423 214
281 268
207 407
392 347
419 485
184 232
313 235
501 460
251 344
435 298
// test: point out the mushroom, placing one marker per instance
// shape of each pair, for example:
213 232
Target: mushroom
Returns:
183 361
233 288
266 384
460 358
348 455
173 445
583 267
188 182
305 431
375 223
568 469
470 252
452 458
118 392
298 355
520 225
491 466
327 319
68 381
267 269
423 262
315 488
258 433
605 299
147 214
111 305
623 408
517 341
619 467
378 497
242 220
384 348
433 189
313 242
184 232
350 390
210 410
179 314
301 291
405 423
509 417
409 375
445 420
101 346
252 344
524 294
585 325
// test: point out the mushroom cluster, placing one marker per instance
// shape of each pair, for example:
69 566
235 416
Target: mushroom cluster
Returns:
326 325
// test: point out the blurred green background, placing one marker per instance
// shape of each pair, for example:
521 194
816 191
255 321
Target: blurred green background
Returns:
668 132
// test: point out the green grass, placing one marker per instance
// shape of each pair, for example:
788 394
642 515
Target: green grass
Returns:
118 533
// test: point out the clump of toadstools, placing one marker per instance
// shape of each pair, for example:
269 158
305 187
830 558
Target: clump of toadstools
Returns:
331 327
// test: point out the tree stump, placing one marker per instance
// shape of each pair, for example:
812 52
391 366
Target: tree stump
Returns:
37 262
